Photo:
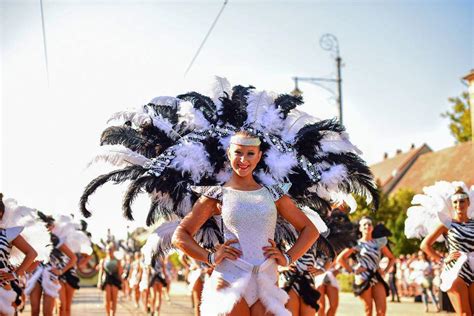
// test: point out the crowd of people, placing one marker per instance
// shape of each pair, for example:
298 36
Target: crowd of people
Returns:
255 195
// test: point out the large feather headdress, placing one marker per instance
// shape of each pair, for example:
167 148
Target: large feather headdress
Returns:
433 208
172 143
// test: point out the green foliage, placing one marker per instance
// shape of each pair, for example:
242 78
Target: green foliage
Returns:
460 118
345 282
392 213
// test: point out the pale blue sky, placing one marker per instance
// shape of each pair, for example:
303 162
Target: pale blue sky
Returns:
403 59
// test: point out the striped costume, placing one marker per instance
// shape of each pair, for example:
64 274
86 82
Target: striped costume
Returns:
301 281
369 254
460 237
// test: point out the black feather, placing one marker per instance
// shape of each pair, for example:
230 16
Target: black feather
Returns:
168 112
380 230
133 190
286 103
308 138
201 103
122 135
232 113
117 176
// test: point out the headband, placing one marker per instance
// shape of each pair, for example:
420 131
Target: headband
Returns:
245 140
459 196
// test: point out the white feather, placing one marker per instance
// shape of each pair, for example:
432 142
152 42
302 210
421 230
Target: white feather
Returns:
295 121
332 177
280 164
220 87
137 116
192 158
266 178
432 208
192 117
166 101
315 219
118 155
257 102
165 125
34 230
338 143
68 231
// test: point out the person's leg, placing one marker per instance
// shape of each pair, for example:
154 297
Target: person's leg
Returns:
333 297
293 304
114 298
136 295
322 300
62 299
48 305
306 310
69 297
471 296
380 298
108 299
366 298
459 297
197 296
424 298
35 299
258 309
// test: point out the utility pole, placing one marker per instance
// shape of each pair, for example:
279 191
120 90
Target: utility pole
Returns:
330 43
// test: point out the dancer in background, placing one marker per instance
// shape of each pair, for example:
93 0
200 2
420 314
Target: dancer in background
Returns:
127 266
109 279
18 225
369 284
157 283
445 212
67 238
135 277
327 286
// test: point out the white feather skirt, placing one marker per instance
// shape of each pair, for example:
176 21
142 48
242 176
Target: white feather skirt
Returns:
7 297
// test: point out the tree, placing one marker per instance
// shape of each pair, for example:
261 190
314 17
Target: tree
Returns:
460 118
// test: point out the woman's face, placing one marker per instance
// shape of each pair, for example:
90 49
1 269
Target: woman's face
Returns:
366 227
460 206
244 159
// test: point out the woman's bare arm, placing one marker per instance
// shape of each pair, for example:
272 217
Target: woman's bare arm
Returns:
183 239
72 257
342 259
308 233
30 254
428 241
387 253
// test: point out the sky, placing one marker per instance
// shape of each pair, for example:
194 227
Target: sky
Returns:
402 60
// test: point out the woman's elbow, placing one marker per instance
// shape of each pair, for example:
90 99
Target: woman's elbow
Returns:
177 239
313 232
32 254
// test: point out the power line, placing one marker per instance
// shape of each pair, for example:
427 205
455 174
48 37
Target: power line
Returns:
205 38
44 42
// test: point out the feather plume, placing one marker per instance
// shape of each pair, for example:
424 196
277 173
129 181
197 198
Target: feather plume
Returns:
220 89
119 155
117 176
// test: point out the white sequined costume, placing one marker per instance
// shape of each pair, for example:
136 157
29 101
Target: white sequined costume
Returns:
250 217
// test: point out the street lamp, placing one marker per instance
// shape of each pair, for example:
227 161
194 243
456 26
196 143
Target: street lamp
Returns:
330 43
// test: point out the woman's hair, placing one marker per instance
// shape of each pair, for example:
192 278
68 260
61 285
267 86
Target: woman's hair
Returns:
2 206
366 218
460 190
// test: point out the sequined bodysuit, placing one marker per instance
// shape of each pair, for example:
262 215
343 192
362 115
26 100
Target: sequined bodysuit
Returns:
250 217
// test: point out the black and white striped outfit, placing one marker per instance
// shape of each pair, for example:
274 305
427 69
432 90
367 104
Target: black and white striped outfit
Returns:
368 255
302 281
460 237
7 297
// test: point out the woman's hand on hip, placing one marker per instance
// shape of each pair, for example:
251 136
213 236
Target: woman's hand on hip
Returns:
272 252
225 251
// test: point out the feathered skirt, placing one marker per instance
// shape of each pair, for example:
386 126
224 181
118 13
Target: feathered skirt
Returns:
462 267
246 281
303 284
373 278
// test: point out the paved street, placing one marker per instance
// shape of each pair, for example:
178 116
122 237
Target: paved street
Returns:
88 301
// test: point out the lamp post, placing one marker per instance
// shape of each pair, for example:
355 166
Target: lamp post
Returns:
469 78
330 43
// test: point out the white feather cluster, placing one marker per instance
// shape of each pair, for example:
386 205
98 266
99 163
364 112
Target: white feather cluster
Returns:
262 112
295 121
34 230
192 158
189 115
433 208
266 178
164 125
220 87
69 232
333 142
137 116
118 155
280 163
166 101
